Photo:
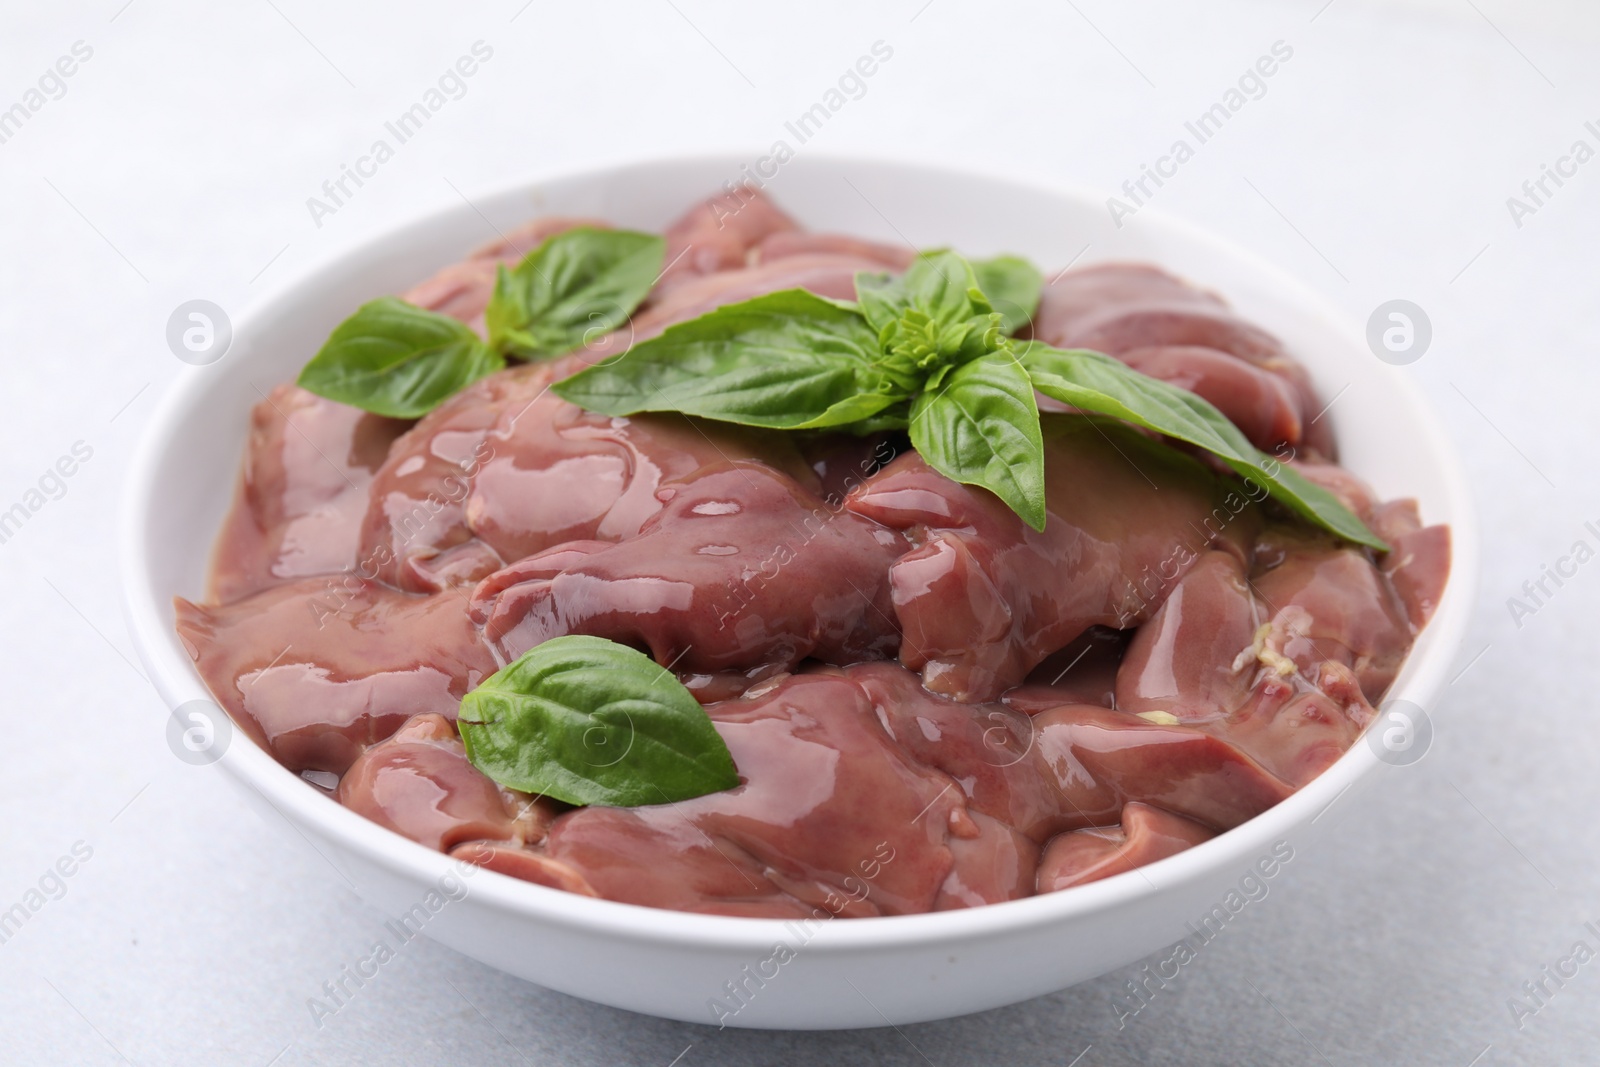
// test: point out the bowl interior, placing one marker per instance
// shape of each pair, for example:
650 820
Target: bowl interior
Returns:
184 476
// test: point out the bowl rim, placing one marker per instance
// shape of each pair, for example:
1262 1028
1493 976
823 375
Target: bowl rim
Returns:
173 675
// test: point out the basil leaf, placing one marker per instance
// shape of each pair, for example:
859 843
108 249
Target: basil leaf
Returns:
980 426
1012 285
576 286
589 721
882 299
789 360
394 359
1095 382
939 284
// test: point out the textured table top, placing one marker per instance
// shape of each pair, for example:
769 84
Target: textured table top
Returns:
176 160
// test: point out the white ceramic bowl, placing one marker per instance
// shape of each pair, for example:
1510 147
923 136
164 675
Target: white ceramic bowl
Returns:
848 973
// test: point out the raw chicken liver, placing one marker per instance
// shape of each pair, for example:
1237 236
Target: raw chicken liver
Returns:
930 705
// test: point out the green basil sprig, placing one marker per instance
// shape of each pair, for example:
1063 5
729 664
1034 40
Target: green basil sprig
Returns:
570 290
980 426
395 359
789 360
1095 382
589 721
1012 285
926 352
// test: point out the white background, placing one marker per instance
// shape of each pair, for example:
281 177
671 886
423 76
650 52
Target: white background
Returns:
1378 164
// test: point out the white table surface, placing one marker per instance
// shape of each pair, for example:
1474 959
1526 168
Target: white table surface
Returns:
177 164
